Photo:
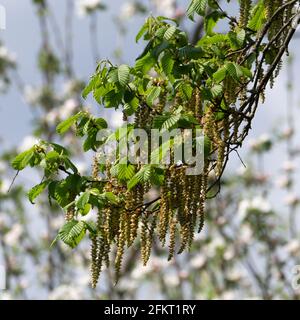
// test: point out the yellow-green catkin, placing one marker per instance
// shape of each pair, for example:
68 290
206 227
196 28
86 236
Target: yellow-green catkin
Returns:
70 214
204 183
95 168
172 241
121 239
95 270
245 8
144 242
165 209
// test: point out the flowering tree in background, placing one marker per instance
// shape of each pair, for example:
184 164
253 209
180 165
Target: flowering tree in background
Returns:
247 248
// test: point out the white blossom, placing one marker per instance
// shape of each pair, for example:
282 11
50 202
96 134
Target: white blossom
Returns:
198 261
27 143
7 56
4 185
117 119
228 295
68 108
165 7
5 296
171 280
293 247
283 182
65 292
258 204
87 6
12 237
289 166
31 95
234 275
229 253
292 199
245 234
3 166
128 10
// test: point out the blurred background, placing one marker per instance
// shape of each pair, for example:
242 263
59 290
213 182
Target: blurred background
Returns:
250 244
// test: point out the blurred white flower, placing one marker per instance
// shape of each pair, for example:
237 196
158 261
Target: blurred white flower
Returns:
183 274
31 95
126 284
3 220
12 237
289 166
117 119
245 235
7 56
228 295
241 170
81 166
83 280
140 271
283 182
27 143
198 261
88 6
292 200
65 292
128 10
287 133
3 166
68 108
171 279
57 222
257 204
234 275
52 117
6 296
229 253
262 143
4 185
216 244
165 7
158 263
293 247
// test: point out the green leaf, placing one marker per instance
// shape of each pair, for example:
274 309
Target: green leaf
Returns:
241 36
22 160
123 171
109 196
37 190
196 6
72 233
167 64
171 122
153 94
83 200
190 52
90 86
258 17
220 75
123 74
142 31
169 34
216 90
142 176
65 125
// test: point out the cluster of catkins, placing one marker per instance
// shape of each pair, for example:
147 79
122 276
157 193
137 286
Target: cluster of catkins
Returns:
178 212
